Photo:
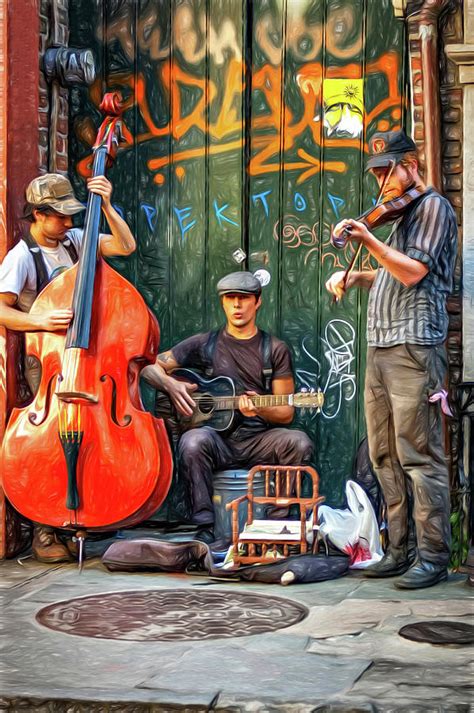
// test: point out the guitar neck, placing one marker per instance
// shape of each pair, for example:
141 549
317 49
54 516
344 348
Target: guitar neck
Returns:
227 403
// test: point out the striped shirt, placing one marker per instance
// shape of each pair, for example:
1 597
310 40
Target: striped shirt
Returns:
416 315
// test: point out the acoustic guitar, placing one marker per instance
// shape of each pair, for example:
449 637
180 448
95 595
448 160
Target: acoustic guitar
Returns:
216 402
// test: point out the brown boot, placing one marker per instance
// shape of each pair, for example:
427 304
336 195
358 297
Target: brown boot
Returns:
47 546
72 546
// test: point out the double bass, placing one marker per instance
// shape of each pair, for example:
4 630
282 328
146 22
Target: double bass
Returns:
84 454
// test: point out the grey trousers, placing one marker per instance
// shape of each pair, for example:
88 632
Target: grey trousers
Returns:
202 451
405 436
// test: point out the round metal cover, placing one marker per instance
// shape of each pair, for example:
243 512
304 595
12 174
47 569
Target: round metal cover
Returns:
439 632
171 615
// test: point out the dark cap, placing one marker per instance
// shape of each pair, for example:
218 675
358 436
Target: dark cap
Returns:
388 147
243 282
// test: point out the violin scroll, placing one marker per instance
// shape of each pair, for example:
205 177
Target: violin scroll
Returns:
340 241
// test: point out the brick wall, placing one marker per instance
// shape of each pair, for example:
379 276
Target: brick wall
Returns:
452 137
450 31
53 100
451 107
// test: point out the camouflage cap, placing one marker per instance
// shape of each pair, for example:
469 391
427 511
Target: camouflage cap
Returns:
240 282
52 190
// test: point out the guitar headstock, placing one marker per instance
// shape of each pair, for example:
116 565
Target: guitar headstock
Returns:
308 399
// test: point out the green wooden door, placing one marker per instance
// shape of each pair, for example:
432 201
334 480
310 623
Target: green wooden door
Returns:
246 134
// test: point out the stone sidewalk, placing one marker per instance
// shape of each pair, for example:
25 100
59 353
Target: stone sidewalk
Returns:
345 655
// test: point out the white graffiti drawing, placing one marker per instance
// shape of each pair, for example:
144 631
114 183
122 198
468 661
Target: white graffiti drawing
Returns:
340 384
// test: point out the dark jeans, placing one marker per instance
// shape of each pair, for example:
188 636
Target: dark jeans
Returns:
202 451
406 441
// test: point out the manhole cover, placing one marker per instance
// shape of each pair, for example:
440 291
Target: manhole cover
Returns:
439 632
171 615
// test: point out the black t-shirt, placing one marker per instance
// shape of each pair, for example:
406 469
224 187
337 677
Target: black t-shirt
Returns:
241 360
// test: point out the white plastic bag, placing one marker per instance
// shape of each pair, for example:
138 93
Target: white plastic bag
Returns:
354 531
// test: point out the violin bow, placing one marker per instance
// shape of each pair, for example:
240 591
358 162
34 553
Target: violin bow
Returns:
360 246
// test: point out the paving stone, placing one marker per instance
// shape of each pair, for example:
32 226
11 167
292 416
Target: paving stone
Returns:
436 676
350 617
384 589
410 697
262 675
16 574
386 645
455 607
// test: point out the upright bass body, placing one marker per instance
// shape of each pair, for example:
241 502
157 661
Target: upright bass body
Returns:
123 464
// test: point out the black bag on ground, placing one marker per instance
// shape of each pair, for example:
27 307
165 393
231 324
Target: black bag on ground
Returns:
149 555
363 474
299 569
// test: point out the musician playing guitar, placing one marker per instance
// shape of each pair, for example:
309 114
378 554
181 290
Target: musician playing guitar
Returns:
258 364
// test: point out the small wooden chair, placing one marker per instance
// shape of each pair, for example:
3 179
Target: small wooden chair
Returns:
261 539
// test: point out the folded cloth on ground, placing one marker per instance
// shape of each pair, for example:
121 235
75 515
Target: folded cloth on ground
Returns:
277 530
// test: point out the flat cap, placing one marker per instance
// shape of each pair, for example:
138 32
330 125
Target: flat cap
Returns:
243 282
53 190
388 147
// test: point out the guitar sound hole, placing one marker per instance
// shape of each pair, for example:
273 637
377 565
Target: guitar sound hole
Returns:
205 403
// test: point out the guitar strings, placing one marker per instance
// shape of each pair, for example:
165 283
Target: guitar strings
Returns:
209 400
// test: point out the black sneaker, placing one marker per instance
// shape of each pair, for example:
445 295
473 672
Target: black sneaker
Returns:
389 566
422 574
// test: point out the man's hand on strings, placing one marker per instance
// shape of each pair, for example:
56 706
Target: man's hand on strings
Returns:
53 321
359 233
102 186
180 394
246 405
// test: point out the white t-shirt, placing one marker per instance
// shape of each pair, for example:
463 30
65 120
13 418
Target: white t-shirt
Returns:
18 270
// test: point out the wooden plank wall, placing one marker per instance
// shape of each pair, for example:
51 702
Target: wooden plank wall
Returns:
246 129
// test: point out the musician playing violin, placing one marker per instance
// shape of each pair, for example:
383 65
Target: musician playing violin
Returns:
407 326
50 246
238 351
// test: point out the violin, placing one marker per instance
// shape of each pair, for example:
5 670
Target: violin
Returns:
84 453
379 214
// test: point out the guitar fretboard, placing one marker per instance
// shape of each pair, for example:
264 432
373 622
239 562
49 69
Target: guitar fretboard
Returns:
227 403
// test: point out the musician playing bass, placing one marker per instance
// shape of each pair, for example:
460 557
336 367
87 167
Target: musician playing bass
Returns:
407 325
50 246
258 363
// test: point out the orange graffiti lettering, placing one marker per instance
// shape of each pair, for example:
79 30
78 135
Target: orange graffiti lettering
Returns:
275 130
